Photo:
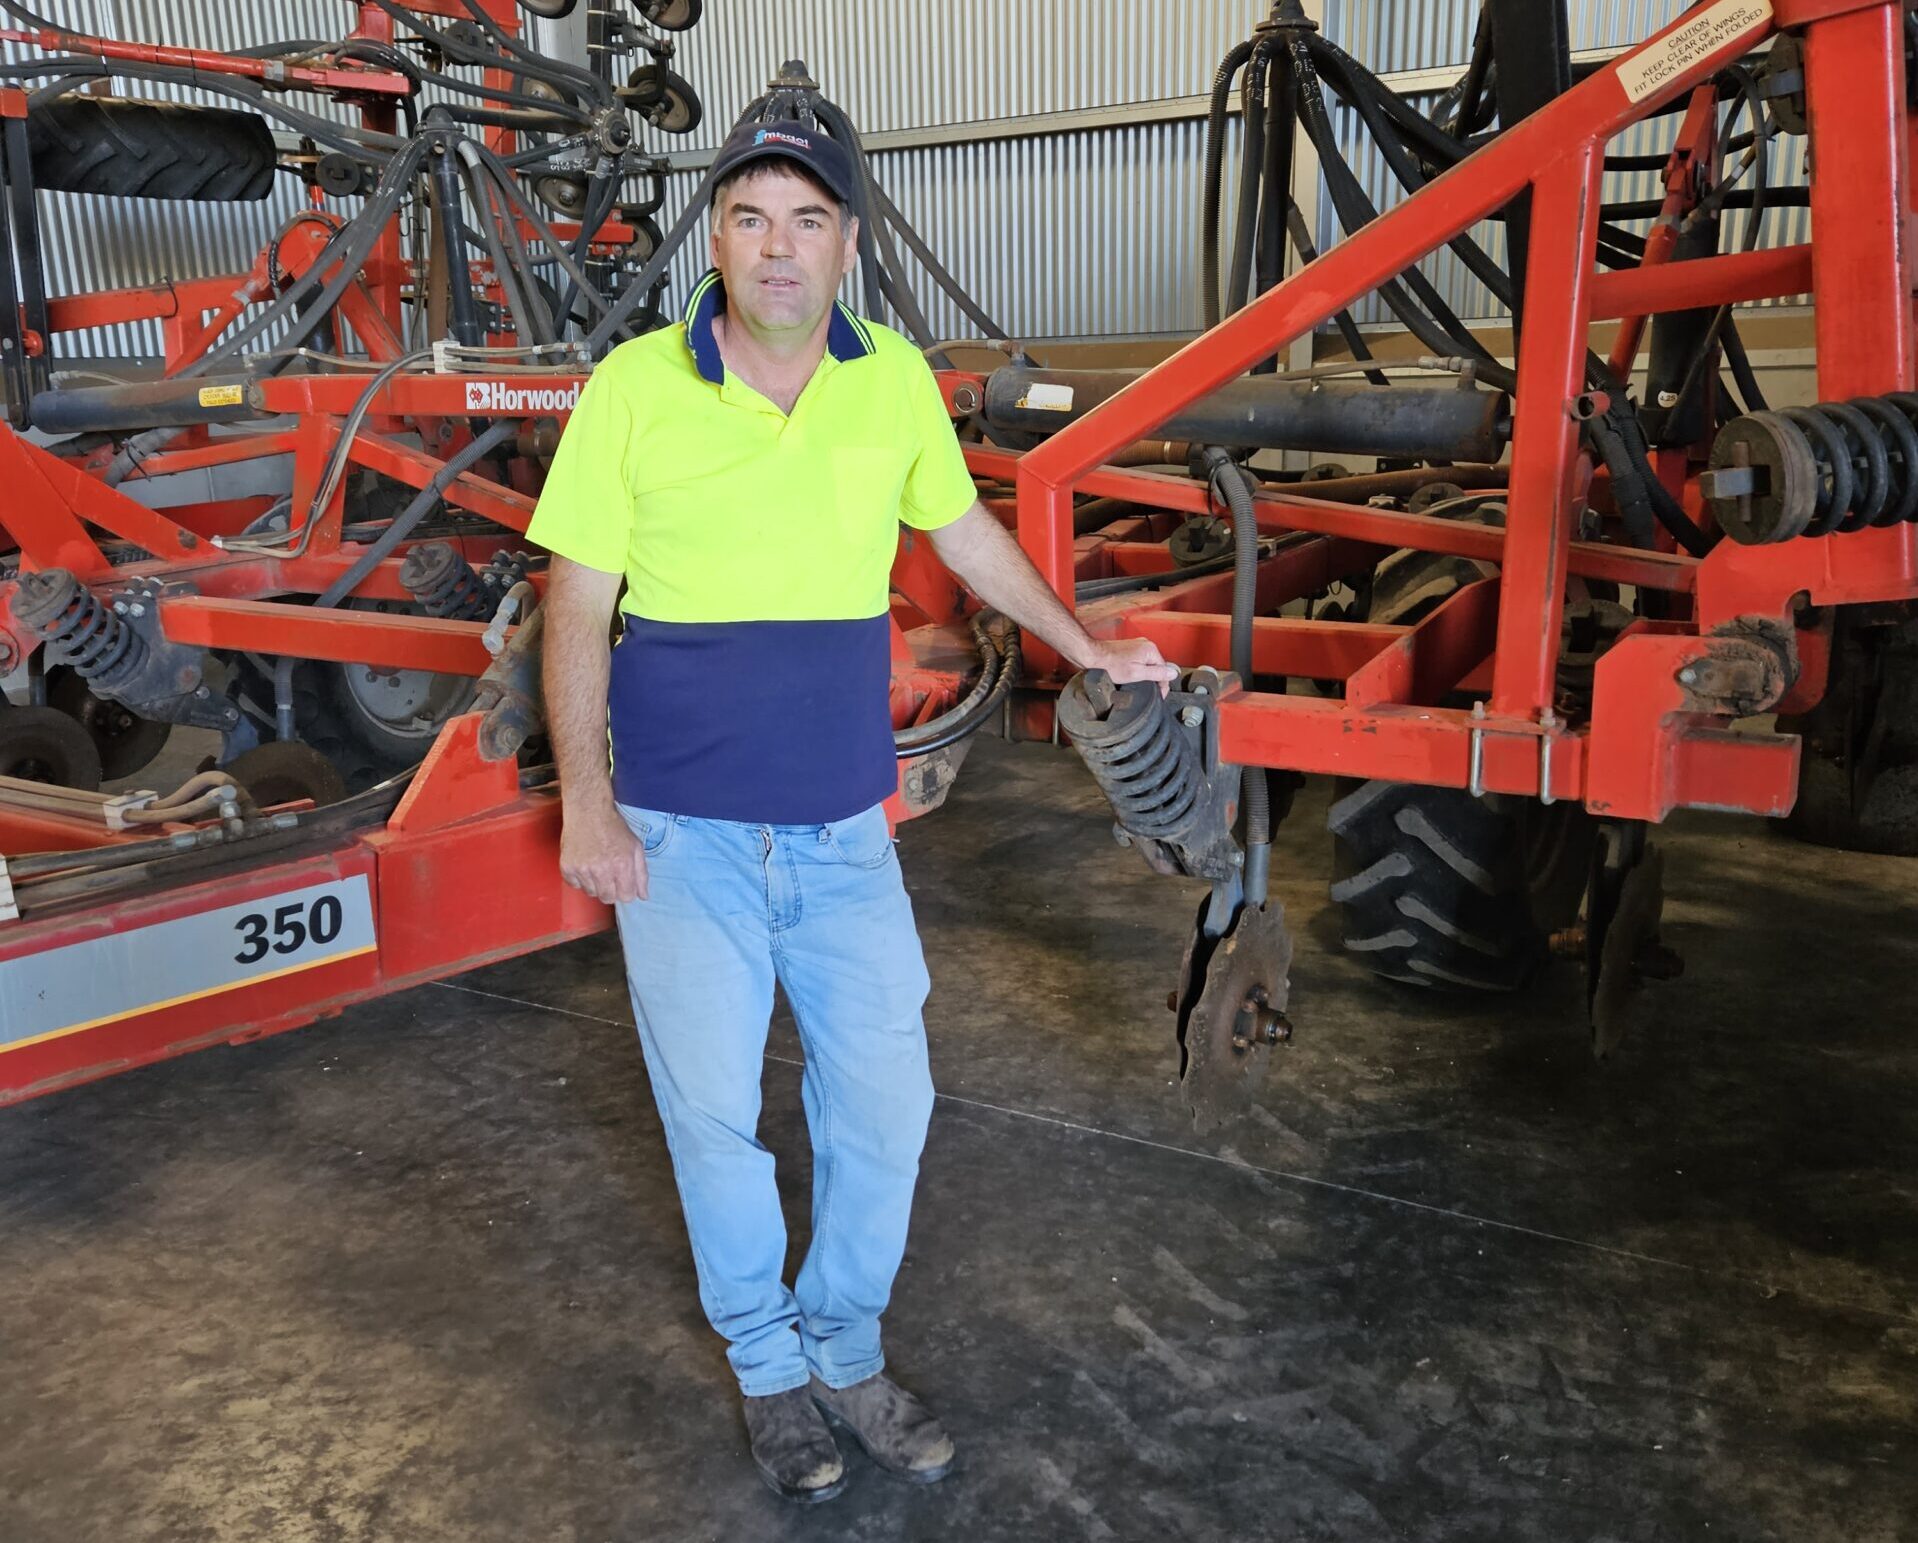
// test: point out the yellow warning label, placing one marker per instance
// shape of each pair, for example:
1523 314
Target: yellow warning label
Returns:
222 396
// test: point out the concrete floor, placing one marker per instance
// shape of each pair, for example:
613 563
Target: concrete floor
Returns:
418 1273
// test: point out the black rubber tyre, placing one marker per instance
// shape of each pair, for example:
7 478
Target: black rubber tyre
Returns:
1858 767
1443 890
1438 888
89 144
42 744
125 740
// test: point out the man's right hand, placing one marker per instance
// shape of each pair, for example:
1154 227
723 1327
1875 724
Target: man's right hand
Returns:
599 853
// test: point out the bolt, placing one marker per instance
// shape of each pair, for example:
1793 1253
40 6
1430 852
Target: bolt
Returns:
119 608
1191 717
202 693
1688 676
1238 859
136 610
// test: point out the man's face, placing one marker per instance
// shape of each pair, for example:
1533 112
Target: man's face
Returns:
778 246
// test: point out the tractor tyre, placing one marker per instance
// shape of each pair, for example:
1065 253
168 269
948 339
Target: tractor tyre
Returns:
126 149
1438 888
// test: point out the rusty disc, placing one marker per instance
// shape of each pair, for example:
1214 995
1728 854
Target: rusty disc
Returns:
1224 1033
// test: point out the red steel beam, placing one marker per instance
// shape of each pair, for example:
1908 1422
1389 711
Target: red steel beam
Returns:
1731 279
393 640
1543 505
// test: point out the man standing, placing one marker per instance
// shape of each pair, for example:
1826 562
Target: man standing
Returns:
745 474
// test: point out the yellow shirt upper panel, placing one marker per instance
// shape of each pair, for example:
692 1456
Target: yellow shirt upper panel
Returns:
718 508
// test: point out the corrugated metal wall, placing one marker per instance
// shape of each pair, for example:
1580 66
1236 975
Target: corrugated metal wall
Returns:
1088 232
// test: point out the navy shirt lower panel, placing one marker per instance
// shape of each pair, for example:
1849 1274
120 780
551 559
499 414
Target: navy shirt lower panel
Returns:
771 722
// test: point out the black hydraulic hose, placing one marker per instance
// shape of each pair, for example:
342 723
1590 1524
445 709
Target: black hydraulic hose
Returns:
1438 329
1412 178
601 194
1251 163
452 232
522 207
903 300
601 89
835 124
1231 480
1348 328
1471 93
1275 201
937 270
527 307
1741 367
1348 76
1214 174
535 66
998 668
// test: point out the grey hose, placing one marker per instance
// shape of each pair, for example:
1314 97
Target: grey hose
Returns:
1232 480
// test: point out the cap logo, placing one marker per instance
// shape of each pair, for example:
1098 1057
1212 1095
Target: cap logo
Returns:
780 138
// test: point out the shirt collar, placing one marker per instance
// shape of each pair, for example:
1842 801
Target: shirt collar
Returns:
847 336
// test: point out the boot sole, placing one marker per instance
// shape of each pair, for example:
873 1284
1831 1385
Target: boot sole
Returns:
804 1496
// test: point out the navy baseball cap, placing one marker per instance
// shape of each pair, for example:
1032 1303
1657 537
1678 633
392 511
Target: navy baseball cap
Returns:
788 139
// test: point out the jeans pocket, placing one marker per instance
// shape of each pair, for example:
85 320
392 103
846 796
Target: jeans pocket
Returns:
863 840
653 828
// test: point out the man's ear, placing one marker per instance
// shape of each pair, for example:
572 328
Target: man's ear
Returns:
852 247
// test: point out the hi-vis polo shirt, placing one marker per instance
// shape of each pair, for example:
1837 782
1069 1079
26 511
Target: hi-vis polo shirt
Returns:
751 679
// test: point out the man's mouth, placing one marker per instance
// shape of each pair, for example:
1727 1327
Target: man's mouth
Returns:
779 283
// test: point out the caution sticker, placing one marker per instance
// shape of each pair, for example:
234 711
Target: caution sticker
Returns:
222 396
1655 67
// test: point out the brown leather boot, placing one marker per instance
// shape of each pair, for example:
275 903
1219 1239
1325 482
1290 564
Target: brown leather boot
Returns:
898 1432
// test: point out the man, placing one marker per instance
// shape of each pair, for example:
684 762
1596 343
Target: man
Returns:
745 474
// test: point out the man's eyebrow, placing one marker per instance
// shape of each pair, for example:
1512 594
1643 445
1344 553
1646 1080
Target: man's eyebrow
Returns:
739 208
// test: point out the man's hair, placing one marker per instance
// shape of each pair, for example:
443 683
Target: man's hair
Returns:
782 166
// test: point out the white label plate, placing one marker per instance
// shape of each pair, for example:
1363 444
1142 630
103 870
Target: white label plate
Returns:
1706 32
83 985
1047 396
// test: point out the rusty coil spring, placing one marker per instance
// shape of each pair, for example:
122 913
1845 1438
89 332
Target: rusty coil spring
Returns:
1133 747
443 582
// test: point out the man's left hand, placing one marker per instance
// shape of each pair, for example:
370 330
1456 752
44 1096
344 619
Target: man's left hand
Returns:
1129 659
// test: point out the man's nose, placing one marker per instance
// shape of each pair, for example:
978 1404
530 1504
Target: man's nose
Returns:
777 243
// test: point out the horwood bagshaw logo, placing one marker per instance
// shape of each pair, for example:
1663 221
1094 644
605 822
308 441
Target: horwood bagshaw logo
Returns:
501 396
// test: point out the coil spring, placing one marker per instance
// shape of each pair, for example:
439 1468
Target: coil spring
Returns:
77 628
444 583
1816 471
1131 743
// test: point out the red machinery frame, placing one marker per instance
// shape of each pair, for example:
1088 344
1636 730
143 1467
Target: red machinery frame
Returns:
1659 732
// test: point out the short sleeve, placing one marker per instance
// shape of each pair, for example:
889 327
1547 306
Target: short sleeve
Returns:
939 487
585 510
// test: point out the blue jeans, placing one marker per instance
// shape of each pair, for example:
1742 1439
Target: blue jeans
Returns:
821 909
